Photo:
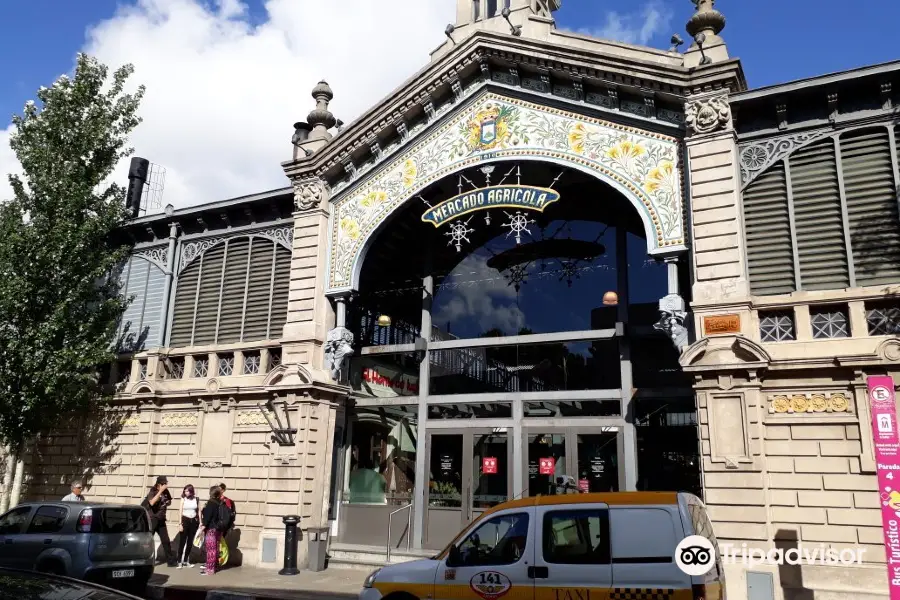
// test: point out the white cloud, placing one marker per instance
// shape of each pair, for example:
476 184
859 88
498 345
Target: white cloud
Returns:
223 93
478 293
635 28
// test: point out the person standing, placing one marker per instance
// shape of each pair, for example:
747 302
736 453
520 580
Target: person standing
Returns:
209 528
231 509
157 502
75 495
190 523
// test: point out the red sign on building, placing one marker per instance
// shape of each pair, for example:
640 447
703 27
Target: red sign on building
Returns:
489 465
546 466
584 485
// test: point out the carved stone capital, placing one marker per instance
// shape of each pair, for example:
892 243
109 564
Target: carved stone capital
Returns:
309 193
672 320
707 115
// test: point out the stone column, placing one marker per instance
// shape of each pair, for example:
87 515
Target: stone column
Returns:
719 253
310 314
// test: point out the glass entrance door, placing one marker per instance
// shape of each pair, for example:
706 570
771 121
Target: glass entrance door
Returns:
589 455
469 472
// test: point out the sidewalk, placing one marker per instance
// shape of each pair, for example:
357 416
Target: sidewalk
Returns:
248 583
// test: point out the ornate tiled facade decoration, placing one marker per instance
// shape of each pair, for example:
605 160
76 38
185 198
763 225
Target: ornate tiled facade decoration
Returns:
131 422
180 420
644 166
250 418
838 402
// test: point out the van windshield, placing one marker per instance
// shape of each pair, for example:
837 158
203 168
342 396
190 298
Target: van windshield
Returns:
120 520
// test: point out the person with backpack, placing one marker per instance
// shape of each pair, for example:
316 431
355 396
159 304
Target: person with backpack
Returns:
231 509
215 518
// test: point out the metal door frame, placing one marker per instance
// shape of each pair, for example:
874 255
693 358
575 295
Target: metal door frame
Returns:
467 475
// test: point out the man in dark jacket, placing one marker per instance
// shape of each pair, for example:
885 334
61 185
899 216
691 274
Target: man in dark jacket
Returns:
230 504
157 501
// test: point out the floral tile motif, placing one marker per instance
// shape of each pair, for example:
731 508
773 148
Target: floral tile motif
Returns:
645 166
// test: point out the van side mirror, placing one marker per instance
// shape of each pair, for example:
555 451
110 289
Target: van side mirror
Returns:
454 556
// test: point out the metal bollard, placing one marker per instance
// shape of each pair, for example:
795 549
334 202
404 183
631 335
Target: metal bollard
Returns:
290 545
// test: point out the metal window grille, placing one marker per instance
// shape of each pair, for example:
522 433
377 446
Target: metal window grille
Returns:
883 319
176 368
829 322
201 366
274 358
226 365
142 371
124 371
251 363
777 327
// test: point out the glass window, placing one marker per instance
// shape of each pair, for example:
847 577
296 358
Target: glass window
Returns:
201 366
562 366
488 410
499 541
383 443
445 470
647 534
385 375
226 365
883 318
777 326
252 362
546 452
578 408
598 465
48 519
14 521
576 537
121 520
829 322
491 468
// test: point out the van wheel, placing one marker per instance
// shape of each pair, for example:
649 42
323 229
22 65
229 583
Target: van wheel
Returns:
400 596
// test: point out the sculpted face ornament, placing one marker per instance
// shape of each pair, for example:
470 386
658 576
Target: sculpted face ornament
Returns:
338 350
672 320
308 193
707 115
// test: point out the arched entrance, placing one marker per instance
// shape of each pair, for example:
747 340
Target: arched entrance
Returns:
490 359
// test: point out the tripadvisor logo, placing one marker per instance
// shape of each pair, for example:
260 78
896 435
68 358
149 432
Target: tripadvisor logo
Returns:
695 556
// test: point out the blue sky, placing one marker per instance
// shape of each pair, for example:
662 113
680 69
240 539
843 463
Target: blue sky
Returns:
224 86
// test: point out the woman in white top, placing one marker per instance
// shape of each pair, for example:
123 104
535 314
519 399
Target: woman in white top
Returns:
189 524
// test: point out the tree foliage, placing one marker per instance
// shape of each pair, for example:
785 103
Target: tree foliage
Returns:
60 301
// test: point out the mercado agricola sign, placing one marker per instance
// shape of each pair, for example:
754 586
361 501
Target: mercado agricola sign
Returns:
499 196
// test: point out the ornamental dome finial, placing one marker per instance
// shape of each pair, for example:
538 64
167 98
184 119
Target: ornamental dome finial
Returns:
706 20
321 119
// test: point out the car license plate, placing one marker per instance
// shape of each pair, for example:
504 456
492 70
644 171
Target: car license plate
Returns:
123 573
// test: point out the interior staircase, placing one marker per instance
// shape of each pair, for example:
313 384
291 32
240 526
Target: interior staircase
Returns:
355 556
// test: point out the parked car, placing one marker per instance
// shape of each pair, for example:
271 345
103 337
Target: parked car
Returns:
28 585
102 543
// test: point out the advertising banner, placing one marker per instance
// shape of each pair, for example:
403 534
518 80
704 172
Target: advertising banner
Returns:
887 460
383 380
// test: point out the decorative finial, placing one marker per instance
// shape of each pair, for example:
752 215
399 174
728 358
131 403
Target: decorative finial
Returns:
706 20
321 117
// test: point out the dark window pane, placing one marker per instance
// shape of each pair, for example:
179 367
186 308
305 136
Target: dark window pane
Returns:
576 537
578 408
488 410
598 462
121 520
526 368
545 451
14 521
383 455
48 519
445 483
491 467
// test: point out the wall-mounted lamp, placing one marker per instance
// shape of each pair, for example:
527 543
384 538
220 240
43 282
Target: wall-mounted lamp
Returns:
516 30
449 32
384 321
610 299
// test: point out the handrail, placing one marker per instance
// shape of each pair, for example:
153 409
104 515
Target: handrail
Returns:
408 525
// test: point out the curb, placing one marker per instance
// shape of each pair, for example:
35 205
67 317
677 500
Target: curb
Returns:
174 593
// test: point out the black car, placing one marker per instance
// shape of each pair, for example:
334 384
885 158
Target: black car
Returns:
29 585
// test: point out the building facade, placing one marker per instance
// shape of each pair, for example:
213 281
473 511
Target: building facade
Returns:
545 254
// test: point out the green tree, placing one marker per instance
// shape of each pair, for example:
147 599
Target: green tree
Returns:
60 300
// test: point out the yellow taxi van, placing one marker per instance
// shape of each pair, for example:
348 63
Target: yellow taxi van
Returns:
607 546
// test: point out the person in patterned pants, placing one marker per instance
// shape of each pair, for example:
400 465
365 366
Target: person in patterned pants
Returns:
210 530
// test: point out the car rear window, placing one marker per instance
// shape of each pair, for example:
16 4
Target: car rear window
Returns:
120 520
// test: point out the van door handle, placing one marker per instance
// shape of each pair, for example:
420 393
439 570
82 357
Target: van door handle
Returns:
538 572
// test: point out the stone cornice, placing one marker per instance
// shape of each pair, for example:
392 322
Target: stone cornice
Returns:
484 51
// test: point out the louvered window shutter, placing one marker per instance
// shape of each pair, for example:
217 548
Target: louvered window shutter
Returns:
871 206
134 286
768 233
234 284
280 290
259 290
212 263
819 222
183 309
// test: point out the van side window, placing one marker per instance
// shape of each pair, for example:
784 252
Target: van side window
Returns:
48 519
14 521
576 537
643 535
499 541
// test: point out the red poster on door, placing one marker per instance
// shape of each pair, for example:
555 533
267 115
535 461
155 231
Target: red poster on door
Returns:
887 463
546 467
584 485
489 465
